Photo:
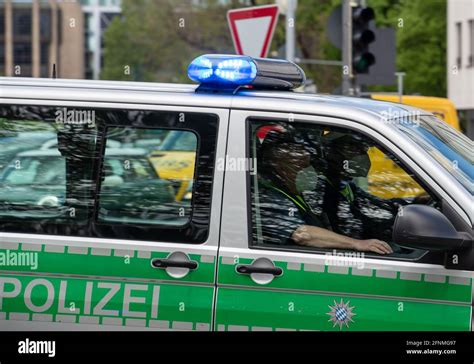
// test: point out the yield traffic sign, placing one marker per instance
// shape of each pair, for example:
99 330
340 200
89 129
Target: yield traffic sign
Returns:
252 29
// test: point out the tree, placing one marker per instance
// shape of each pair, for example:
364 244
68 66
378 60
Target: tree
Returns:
154 40
421 42
313 43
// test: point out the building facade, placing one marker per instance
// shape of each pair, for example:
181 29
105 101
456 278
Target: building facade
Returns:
37 34
97 16
460 41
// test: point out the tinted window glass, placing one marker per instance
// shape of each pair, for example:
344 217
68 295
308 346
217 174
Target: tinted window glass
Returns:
102 173
134 190
325 188
42 181
452 149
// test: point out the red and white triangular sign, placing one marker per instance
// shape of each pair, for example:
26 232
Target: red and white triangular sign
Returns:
252 29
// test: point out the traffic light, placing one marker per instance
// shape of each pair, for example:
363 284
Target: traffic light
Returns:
362 36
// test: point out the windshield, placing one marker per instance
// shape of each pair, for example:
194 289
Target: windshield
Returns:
453 150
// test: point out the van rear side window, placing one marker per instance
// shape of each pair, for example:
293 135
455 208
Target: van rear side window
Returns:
150 184
33 172
118 174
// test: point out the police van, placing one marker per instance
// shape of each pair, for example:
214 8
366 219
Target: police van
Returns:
281 230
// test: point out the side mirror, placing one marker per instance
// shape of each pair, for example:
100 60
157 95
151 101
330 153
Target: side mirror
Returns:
424 227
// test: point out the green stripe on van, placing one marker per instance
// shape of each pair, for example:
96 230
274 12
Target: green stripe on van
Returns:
273 310
97 262
394 284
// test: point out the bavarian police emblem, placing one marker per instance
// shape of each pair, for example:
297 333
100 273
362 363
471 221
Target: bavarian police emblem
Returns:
341 314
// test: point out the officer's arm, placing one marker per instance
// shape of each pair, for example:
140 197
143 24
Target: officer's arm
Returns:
314 236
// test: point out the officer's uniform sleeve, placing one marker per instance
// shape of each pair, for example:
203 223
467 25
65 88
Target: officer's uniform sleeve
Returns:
279 218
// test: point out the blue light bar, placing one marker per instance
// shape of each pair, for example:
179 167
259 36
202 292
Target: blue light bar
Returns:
220 72
223 71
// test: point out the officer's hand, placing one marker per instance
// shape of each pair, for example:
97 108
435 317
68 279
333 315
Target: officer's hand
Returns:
373 245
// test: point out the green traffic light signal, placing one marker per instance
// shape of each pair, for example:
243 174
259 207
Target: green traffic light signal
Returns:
362 62
362 36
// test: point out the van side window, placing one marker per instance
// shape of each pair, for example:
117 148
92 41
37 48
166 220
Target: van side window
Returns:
35 168
324 188
107 173
147 176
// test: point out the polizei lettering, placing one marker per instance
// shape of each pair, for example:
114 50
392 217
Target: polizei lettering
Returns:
80 297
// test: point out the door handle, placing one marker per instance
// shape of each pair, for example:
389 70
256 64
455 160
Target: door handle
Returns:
251 269
168 263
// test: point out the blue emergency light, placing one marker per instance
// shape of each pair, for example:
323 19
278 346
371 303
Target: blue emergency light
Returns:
230 72
223 70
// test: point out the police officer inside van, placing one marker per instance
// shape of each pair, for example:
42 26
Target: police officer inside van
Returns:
286 216
350 209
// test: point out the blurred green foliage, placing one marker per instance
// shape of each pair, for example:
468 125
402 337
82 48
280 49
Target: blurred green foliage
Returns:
421 42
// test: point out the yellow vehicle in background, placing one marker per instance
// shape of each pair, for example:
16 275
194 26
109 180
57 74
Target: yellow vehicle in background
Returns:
384 170
175 162
441 107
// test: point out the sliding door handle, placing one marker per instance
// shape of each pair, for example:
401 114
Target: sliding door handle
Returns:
168 263
251 269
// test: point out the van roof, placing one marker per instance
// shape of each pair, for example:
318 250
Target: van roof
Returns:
17 90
